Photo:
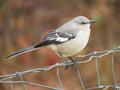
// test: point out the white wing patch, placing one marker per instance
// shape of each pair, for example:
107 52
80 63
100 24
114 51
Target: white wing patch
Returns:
55 38
61 39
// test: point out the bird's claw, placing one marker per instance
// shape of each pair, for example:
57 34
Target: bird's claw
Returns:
67 65
74 64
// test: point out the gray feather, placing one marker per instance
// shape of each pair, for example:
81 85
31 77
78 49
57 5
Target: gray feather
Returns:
32 48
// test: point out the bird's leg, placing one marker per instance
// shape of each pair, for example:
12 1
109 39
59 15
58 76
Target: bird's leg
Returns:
74 63
66 66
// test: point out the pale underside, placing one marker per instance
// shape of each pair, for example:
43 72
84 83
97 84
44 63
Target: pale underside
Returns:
69 48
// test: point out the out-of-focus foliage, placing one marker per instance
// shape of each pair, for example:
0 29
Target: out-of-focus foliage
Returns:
25 22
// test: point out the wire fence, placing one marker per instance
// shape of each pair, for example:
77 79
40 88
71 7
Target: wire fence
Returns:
95 56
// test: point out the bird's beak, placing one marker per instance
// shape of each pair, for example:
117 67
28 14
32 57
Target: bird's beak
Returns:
92 21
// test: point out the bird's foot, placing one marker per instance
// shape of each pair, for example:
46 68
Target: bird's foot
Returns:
75 64
72 64
67 65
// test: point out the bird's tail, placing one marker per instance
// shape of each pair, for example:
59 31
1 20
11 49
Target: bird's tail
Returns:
32 48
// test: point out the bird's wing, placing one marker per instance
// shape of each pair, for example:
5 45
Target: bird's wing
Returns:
56 38
51 38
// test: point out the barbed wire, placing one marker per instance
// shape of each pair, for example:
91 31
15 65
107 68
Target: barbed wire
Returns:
8 79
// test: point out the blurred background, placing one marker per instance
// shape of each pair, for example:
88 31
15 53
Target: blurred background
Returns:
25 22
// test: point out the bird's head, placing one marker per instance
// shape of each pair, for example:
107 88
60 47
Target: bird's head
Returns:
82 21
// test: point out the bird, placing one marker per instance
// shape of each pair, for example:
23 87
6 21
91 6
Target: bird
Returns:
67 40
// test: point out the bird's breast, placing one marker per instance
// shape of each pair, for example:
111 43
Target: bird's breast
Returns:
74 45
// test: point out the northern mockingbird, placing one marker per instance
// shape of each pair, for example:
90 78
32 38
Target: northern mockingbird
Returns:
66 40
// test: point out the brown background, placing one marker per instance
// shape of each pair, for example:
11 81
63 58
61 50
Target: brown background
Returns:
25 22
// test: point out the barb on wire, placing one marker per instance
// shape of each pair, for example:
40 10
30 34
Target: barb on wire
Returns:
7 79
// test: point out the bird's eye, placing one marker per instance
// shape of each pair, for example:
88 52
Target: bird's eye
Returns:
82 23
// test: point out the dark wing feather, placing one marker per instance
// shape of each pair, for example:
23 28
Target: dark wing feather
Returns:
51 38
55 38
